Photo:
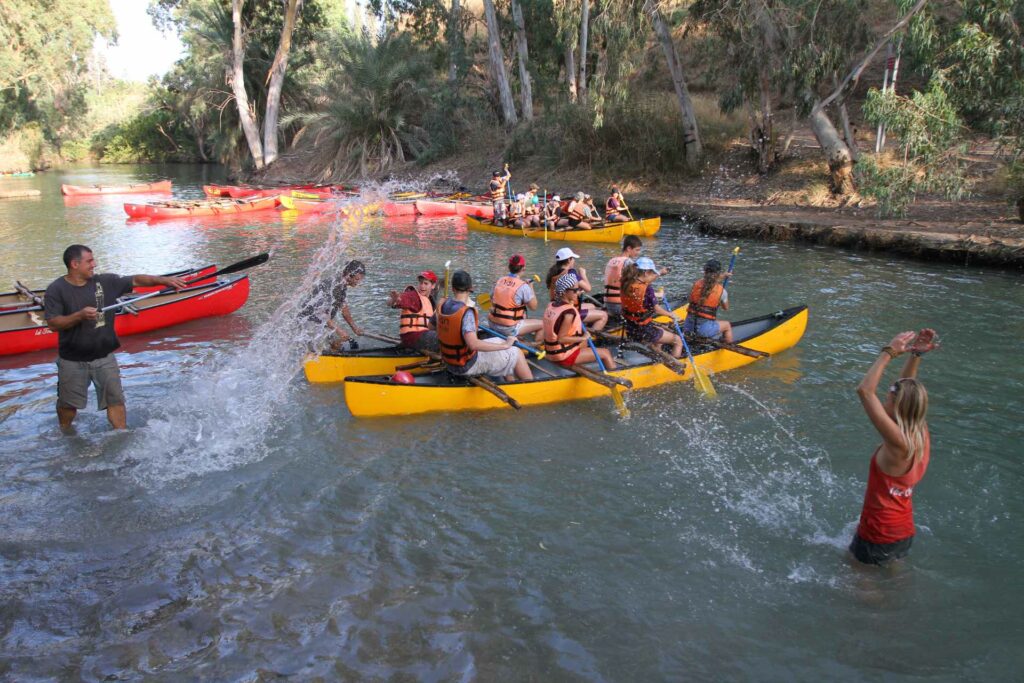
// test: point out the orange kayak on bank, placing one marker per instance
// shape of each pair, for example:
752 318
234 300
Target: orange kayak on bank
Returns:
80 190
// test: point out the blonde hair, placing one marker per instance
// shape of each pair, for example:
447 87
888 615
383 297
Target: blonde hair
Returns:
910 406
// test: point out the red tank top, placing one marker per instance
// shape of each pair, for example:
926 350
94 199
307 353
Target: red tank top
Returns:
888 512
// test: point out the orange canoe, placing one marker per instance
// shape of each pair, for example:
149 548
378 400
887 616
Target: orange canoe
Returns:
79 190
209 207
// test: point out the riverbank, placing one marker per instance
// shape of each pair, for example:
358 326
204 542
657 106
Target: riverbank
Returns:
790 204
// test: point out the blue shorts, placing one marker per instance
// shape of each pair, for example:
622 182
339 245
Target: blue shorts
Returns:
705 328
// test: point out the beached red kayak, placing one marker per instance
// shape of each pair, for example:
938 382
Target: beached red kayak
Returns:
25 330
80 190
439 207
406 208
199 207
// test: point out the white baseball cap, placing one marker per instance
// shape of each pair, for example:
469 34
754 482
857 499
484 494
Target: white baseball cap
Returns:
565 253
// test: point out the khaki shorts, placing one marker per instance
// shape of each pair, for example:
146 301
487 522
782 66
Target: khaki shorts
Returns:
74 377
495 363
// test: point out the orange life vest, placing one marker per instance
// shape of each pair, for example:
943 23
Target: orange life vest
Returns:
498 194
504 310
416 321
454 350
708 306
555 349
576 212
613 280
609 210
633 308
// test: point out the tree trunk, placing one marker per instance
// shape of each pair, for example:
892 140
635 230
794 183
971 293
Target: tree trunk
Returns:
276 77
691 134
508 105
762 132
237 78
526 88
570 70
454 46
837 153
581 83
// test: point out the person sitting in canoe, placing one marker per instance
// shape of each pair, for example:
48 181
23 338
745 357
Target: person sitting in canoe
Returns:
615 207
517 212
328 298
554 217
593 215
417 323
631 248
531 206
564 338
511 297
640 306
577 213
462 351
706 296
496 190
565 262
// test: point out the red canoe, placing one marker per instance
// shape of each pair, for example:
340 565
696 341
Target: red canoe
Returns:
428 207
25 330
193 276
407 208
199 207
79 190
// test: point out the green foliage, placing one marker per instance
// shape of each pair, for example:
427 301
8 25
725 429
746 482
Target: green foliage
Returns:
371 111
45 48
640 135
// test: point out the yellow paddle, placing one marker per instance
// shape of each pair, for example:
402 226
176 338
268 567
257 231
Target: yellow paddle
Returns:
700 379
616 390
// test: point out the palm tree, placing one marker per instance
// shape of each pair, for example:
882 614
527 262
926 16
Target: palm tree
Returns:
370 113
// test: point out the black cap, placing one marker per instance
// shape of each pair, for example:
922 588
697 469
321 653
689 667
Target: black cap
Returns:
713 266
461 282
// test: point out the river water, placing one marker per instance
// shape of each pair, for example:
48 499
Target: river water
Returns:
247 527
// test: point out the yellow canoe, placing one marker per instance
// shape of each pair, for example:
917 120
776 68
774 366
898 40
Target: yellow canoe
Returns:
377 396
335 366
609 232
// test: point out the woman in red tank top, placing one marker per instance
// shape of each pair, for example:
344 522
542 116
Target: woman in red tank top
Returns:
886 527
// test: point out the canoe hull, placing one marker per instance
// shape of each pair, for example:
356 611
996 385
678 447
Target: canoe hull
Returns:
82 190
392 209
157 211
427 207
221 298
611 233
377 397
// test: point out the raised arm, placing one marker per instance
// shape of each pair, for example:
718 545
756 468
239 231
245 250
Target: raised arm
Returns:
866 391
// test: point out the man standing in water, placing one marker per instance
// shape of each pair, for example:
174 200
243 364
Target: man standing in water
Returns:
329 297
86 336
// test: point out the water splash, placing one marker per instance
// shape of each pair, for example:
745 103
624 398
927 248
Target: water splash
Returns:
228 408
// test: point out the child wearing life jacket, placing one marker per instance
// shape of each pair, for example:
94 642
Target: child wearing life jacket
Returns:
565 262
511 298
416 321
640 306
706 296
564 338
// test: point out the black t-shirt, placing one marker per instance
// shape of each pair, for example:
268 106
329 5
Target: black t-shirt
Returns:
327 299
90 339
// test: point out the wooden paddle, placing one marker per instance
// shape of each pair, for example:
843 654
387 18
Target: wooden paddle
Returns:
700 380
25 291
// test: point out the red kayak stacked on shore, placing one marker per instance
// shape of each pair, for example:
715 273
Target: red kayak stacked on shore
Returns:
435 207
83 190
199 207
24 329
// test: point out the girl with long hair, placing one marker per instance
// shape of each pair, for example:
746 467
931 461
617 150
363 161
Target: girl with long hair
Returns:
886 528
565 262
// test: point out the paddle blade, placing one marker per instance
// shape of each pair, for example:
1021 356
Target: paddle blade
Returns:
620 403
286 202
483 301
703 382
243 265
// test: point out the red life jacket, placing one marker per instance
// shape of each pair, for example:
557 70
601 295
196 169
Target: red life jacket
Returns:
633 307
887 515
613 280
556 350
416 321
504 310
708 306
454 349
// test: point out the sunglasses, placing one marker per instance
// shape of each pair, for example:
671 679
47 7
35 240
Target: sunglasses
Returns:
896 385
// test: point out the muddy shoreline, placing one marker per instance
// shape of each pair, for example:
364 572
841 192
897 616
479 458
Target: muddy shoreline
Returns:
988 242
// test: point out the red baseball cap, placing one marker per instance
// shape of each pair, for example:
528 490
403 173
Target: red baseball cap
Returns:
516 260
429 275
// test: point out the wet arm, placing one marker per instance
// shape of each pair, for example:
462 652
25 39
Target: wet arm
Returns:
867 392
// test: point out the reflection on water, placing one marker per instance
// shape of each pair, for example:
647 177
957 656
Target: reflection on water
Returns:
245 526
